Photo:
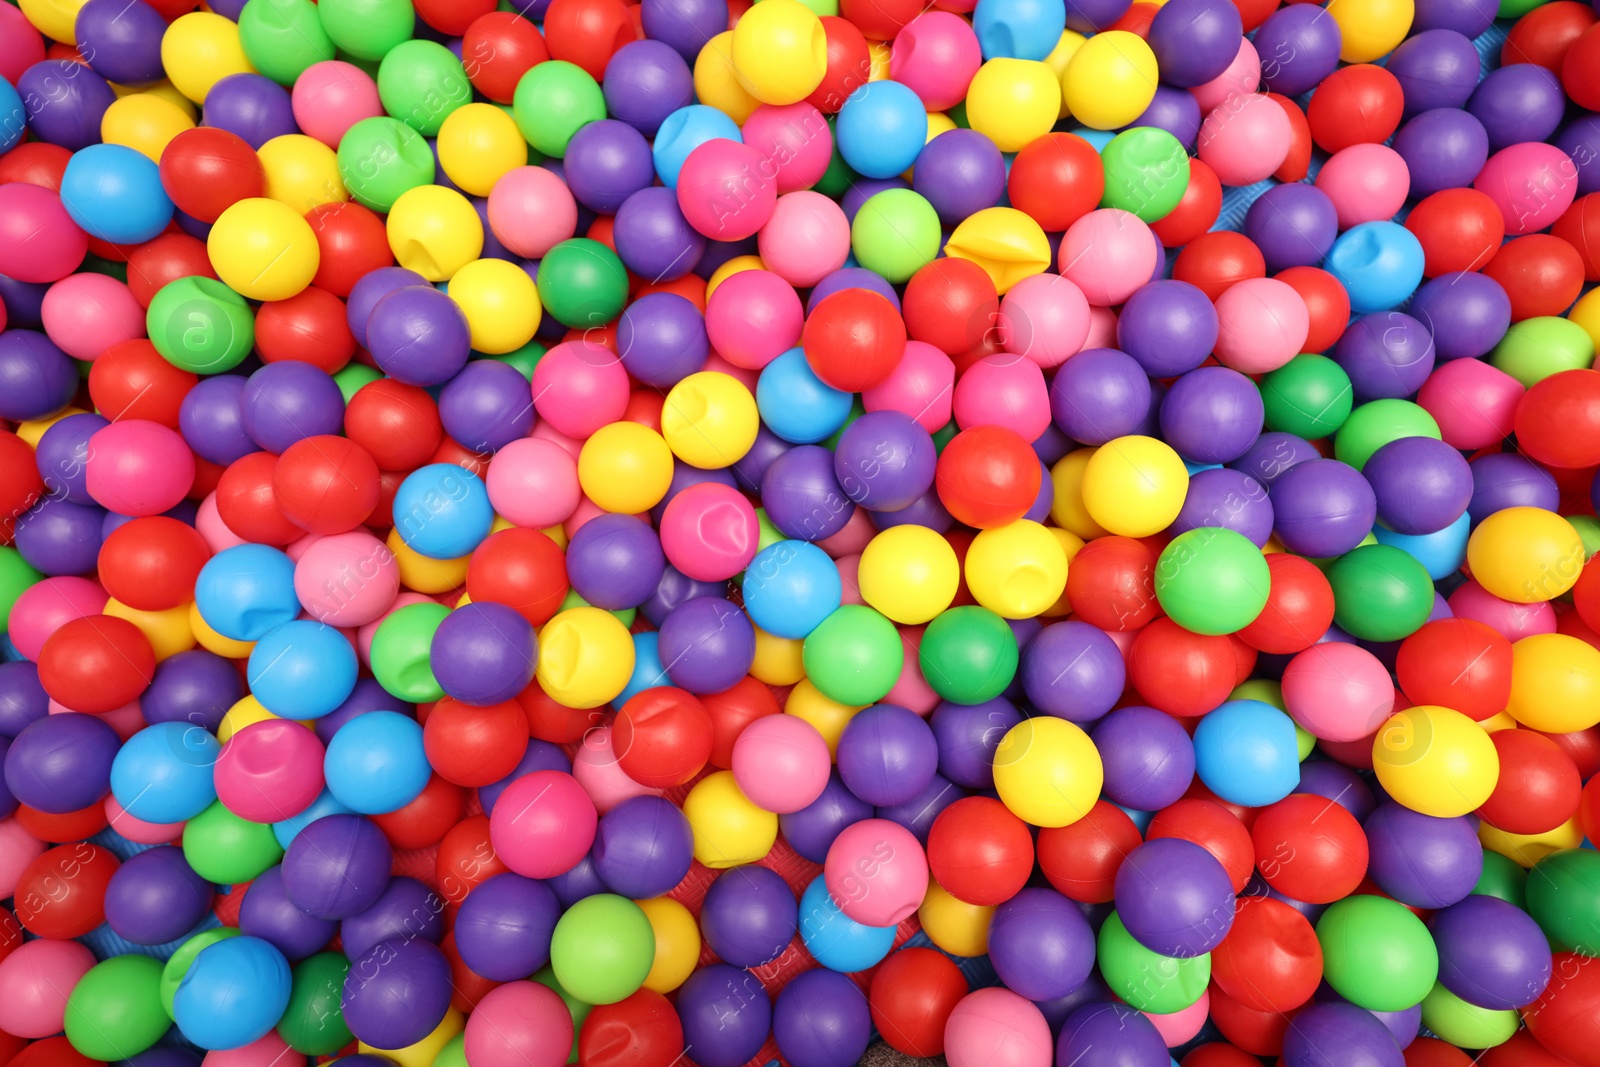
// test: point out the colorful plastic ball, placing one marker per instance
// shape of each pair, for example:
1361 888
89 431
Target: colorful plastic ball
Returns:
302 670
1242 139
137 467
1376 954
115 194
895 232
484 653
721 192
442 511
881 129
524 1020
1335 1029
1110 81
396 993
995 1025
1443 150
806 238
61 892
1419 744
1056 179
1047 771
911 998
263 249
886 755
1172 897
724 1039
602 949
749 916
980 852
232 993
504 926
1504 176
382 159
987 476
1525 554
376 764
545 824
155 897
1108 254
876 872
853 340
820 1020
60 763
1045 318
1270 960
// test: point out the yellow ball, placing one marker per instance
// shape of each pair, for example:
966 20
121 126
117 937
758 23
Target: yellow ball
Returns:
728 829
1006 243
424 574
56 19
478 145
434 231
716 80
1071 544
778 660
780 51
1066 506
32 430
1370 29
199 50
245 712
425 1052
1060 56
161 90
144 123
1047 771
878 55
736 265
1110 79
1134 486
1435 761
677 943
263 250
167 631
625 467
939 122
211 641
709 420
1018 570
955 926
1528 849
1525 555
1013 102
1586 313
500 302
909 573
302 172
585 657
826 714
1555 683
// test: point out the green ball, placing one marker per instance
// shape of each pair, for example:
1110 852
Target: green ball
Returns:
421 83
602 949
553 101
1466 1025
400 652
944 435
840 176
1515 9
200 325
382 158
1377 954
281 38
1380 593
178 964
573 600
1310 396
1564 899
1212 580
223 848
352 376
1148 980
16 576
454 1053
767 534
1536 348
367 29
525 359
968 655
114 1011
822 8
1376 423
313 1023
1147 172
577 1008
896 234
582 282
854 656
1503 877
1588 528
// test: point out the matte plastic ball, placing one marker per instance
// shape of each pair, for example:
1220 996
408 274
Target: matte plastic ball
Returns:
877 872
1108 253
232 994
1415 748
602 949
1376 954
882 128
544 824
1047 772
1245 139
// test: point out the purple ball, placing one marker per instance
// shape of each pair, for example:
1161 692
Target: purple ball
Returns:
707 645
1422 484
1274 453
960 172
484 653
821 1020
684 25
1212 415
23 301
1108 1034
504 927
1051 445
919 812
643 847
749 915
337 866
1387 355
1299 46
1443 148
1467 17
719 252
1100 394
1195 40
851 278
195 687
1506 480
928 510
653 238
1467 313
1226 498
865 189
1435 68
615 562
1092 16
182 1057
417 335
1491 953
1322 508
674 590
406 909
726 1015
1041 945
65 101
121 40
661 338
885 461
396 992
63 456
1325 1033
1173 110
1073 671
1149 758
156 897
645 81
1293 224
580 882
1580 140
36 377
287 402
61 763
683 477
57 537
887 754
268 913
766 449
1421 860
802 494
1520 102
967 736
254 107
373 287
1174 897
1338 783
1168 326
1057 1011
22 699
211 419
487 406
540 756
367 696
811 830
607 162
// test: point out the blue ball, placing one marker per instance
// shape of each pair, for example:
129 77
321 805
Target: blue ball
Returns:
1378 263
115 194
1246 753
302 670
797 405
233 993
1019 29
325 804
247 591
837 941
685 130
375 764
13 117
164 773
790 587
442 511
648 671
882 128
1441 553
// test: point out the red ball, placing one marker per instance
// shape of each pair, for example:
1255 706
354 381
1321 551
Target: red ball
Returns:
880 20
1542 274
424 822
1525 1051
1136 19
849 65
587 33
1309 848
397 424
522 569
980 852
473 746
1197 209
1579 226
1081 860
1056 180
248 505
854 339
465 860
662 737
1297 164
35 163
642 1030
1299 607
467 986
96 664
1580 70
1111 583
1583 748
912 995
1254 12
1565 1018
206 170
987 476
151 563
1538 788
1586 594
166 259
497 50
51 1052
1431 1052
1456 663
950 304
326 484
351 243
1214 828
1219 1053
1326 301
1558 419
1459 229
1270 960
310 326
1182 673
455 453
1359 104
62 893
64 826
1545 34
731 711
1259 1033
1214 261
131 380
452 17
20 483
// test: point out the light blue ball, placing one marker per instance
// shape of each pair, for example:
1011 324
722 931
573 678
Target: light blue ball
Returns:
165 773
1441 553
246 591
115 193
233 993
1246 753
302 670
13 117
790 587
797 405
442 511
289 829
882 128
375 764
1378 263
837 941
1019 29
648 673
685 130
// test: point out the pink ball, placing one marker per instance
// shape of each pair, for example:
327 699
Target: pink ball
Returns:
85 314
138 467
1004 390
520 1022
1242 76
1512 621
21 46
794 141
1338 691
995 1027
365 634
596 769
781 763
126 720
586 511
1367 183
1180 1027
936 54
543 824
726 190
911 690
572 446
1108 254
270 771
137 830
710 532
753 317
921 386
533 482
745 376
1102 329
876 871
45 607
852 539
1531 183
346 579
35 981
578 387
39 242
850 585
806 239
531 211
1045 318
330 97
1262 324
209 523
1473 403
1245 138
18 848
269 1050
